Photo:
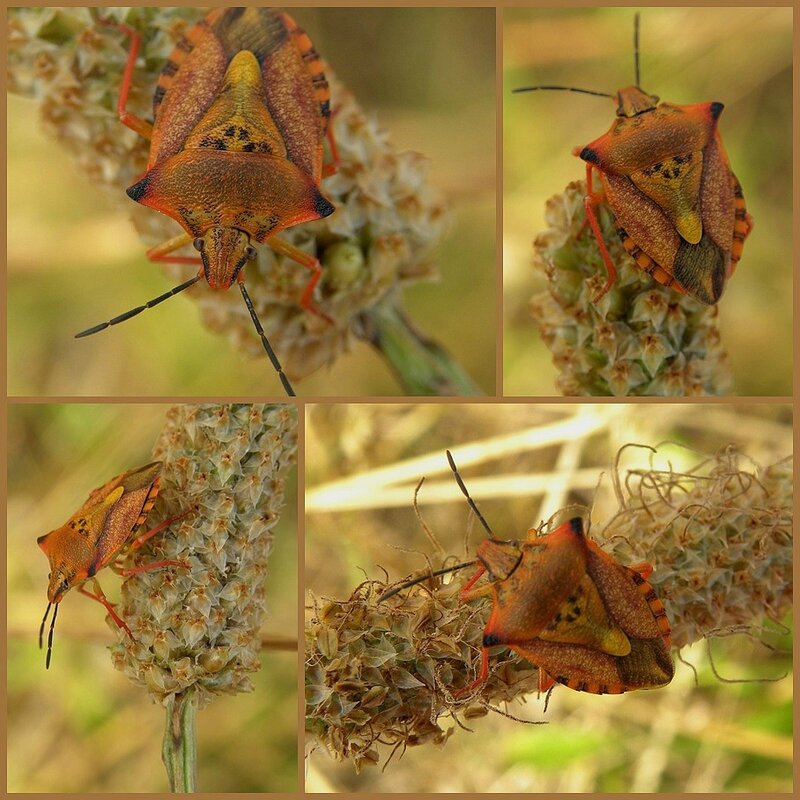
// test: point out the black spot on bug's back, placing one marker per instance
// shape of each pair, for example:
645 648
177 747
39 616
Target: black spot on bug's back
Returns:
716 109
214 143
490 639
700 269
587 154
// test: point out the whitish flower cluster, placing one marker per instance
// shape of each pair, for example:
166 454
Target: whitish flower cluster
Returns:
383 234
640 339
720 542
196 626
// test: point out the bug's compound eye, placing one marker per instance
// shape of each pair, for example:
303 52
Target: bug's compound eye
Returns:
65 585
198 244
250 252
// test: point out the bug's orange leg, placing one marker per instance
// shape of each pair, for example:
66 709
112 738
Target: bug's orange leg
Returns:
590 202
468 593
143 537
309 262
160 253
142 127
104 601
151 565
333 167
482 675
545 681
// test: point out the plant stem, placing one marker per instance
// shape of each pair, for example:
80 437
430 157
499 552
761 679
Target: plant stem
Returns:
179 750
422 365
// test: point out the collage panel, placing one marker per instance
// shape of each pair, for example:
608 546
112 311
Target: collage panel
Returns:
503 589
639 556
404 228
727 70
206 626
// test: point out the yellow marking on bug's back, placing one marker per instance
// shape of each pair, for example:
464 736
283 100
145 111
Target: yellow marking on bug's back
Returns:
238 120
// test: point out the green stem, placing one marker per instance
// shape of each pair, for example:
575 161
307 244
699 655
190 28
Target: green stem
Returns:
422 366
179 750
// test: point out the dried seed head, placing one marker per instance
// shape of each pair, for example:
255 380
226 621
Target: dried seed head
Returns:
387 216
198 626
641 339
385 672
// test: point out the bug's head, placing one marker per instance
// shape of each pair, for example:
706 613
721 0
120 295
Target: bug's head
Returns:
65 552
632 101
224 252
59 583
500 557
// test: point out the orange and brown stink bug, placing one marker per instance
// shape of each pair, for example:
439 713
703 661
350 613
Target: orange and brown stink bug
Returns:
561 602
678 207
95 537
241 112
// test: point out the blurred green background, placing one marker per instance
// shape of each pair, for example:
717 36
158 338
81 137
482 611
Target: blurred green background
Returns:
73 258
709 737
82 726
741 57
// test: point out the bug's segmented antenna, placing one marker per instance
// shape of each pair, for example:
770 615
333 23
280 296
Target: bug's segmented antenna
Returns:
463 488
265 342
50 633
41 627
636 47
171 293
433 574
134 311
560 89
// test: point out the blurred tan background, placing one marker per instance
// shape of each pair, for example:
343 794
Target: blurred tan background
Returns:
81 726
521 463
741 57
73 258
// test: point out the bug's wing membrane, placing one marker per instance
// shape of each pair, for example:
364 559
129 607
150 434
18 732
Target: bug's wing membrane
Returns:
639 613
631 611
295 70
587 670
579 668
190 82
117 523
719 213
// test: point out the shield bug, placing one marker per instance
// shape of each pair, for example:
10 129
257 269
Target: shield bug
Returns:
98 535
240 114
585 620
664 173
